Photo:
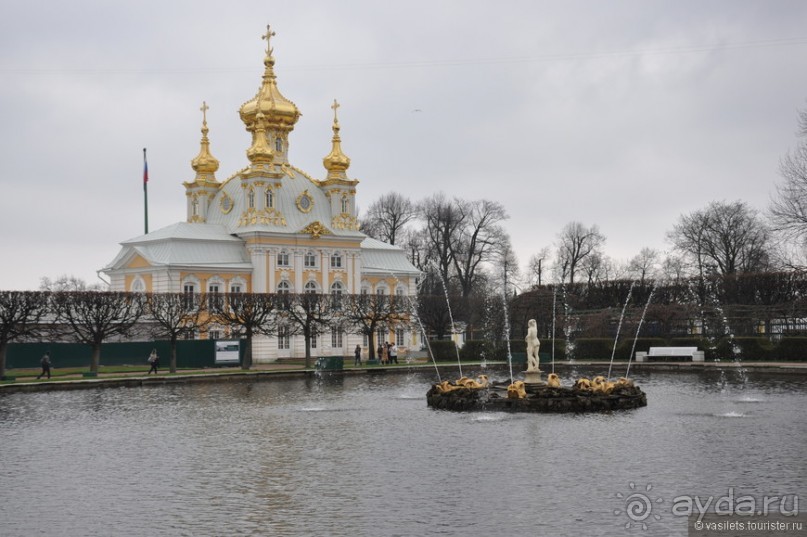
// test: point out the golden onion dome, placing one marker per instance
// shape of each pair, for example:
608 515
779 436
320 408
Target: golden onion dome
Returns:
336 162
205 164
279 112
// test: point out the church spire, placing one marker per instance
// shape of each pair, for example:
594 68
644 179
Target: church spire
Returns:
205 164
336 162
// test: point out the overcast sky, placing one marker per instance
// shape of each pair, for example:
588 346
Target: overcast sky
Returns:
623 114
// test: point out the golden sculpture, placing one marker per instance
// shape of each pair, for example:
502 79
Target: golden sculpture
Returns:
553 381
516 390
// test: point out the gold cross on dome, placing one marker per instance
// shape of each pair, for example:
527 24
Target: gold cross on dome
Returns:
204 110
268 35
334 106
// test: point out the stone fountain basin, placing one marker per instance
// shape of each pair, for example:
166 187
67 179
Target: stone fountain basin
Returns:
540 399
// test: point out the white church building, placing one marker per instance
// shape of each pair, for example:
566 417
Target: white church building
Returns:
269 227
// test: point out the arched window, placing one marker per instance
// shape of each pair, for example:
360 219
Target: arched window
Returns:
336 295
214 298
270 198
138 285
345 204
251 198
311 288
284 287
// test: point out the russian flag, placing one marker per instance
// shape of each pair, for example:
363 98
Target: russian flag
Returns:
145 168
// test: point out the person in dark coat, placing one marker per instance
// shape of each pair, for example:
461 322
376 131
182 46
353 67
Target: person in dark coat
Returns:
154 360
45 363
357 355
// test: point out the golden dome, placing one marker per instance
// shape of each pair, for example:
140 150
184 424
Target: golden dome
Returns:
336 162
279 112
260 152
205 164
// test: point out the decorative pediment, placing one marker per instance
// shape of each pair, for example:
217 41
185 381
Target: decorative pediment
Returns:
316 229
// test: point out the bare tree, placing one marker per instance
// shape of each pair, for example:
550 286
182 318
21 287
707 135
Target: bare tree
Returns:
537 266
21 316
479 240
175 314
575 243
68 283
306 315
367 313
443 220
644 264
253 314
788 208
387 217
94 316
724 237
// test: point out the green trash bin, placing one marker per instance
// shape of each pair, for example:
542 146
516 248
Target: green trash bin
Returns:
330 363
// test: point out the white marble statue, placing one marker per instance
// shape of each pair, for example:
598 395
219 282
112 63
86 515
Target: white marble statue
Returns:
533 346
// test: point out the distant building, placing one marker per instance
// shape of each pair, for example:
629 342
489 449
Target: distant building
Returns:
267 228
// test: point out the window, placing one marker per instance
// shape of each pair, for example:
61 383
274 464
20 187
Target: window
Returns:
344 204
214 334
283 289
399 337
278 145
336 260
251 198
399 291
310 260
337 338
365 340
189 290
314 338
336 295
270 198
138 286
235 288
311 288
283 258
213 297
381 291
283 338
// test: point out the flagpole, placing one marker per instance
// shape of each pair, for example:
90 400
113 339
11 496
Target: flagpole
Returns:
145 191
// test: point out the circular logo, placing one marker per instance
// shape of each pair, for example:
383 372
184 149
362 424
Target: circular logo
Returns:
638 507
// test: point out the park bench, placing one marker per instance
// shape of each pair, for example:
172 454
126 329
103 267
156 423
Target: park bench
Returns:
671 354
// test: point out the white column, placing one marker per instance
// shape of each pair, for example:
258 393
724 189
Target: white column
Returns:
325 259
351 287
258 257
272 270
357 273
298 271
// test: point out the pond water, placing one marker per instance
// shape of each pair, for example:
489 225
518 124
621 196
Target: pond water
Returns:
364 456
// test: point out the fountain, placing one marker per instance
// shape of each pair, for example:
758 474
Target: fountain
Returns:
534 395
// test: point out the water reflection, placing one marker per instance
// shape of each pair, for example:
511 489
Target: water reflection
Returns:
343 455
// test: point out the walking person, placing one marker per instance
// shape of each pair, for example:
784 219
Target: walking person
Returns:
380 353
154 360
393 353
357 355
45 363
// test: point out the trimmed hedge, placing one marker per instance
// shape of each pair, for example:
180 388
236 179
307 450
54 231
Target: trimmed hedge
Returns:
791 348
443 350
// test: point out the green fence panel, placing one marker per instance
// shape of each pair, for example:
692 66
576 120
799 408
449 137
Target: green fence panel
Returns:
190 354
